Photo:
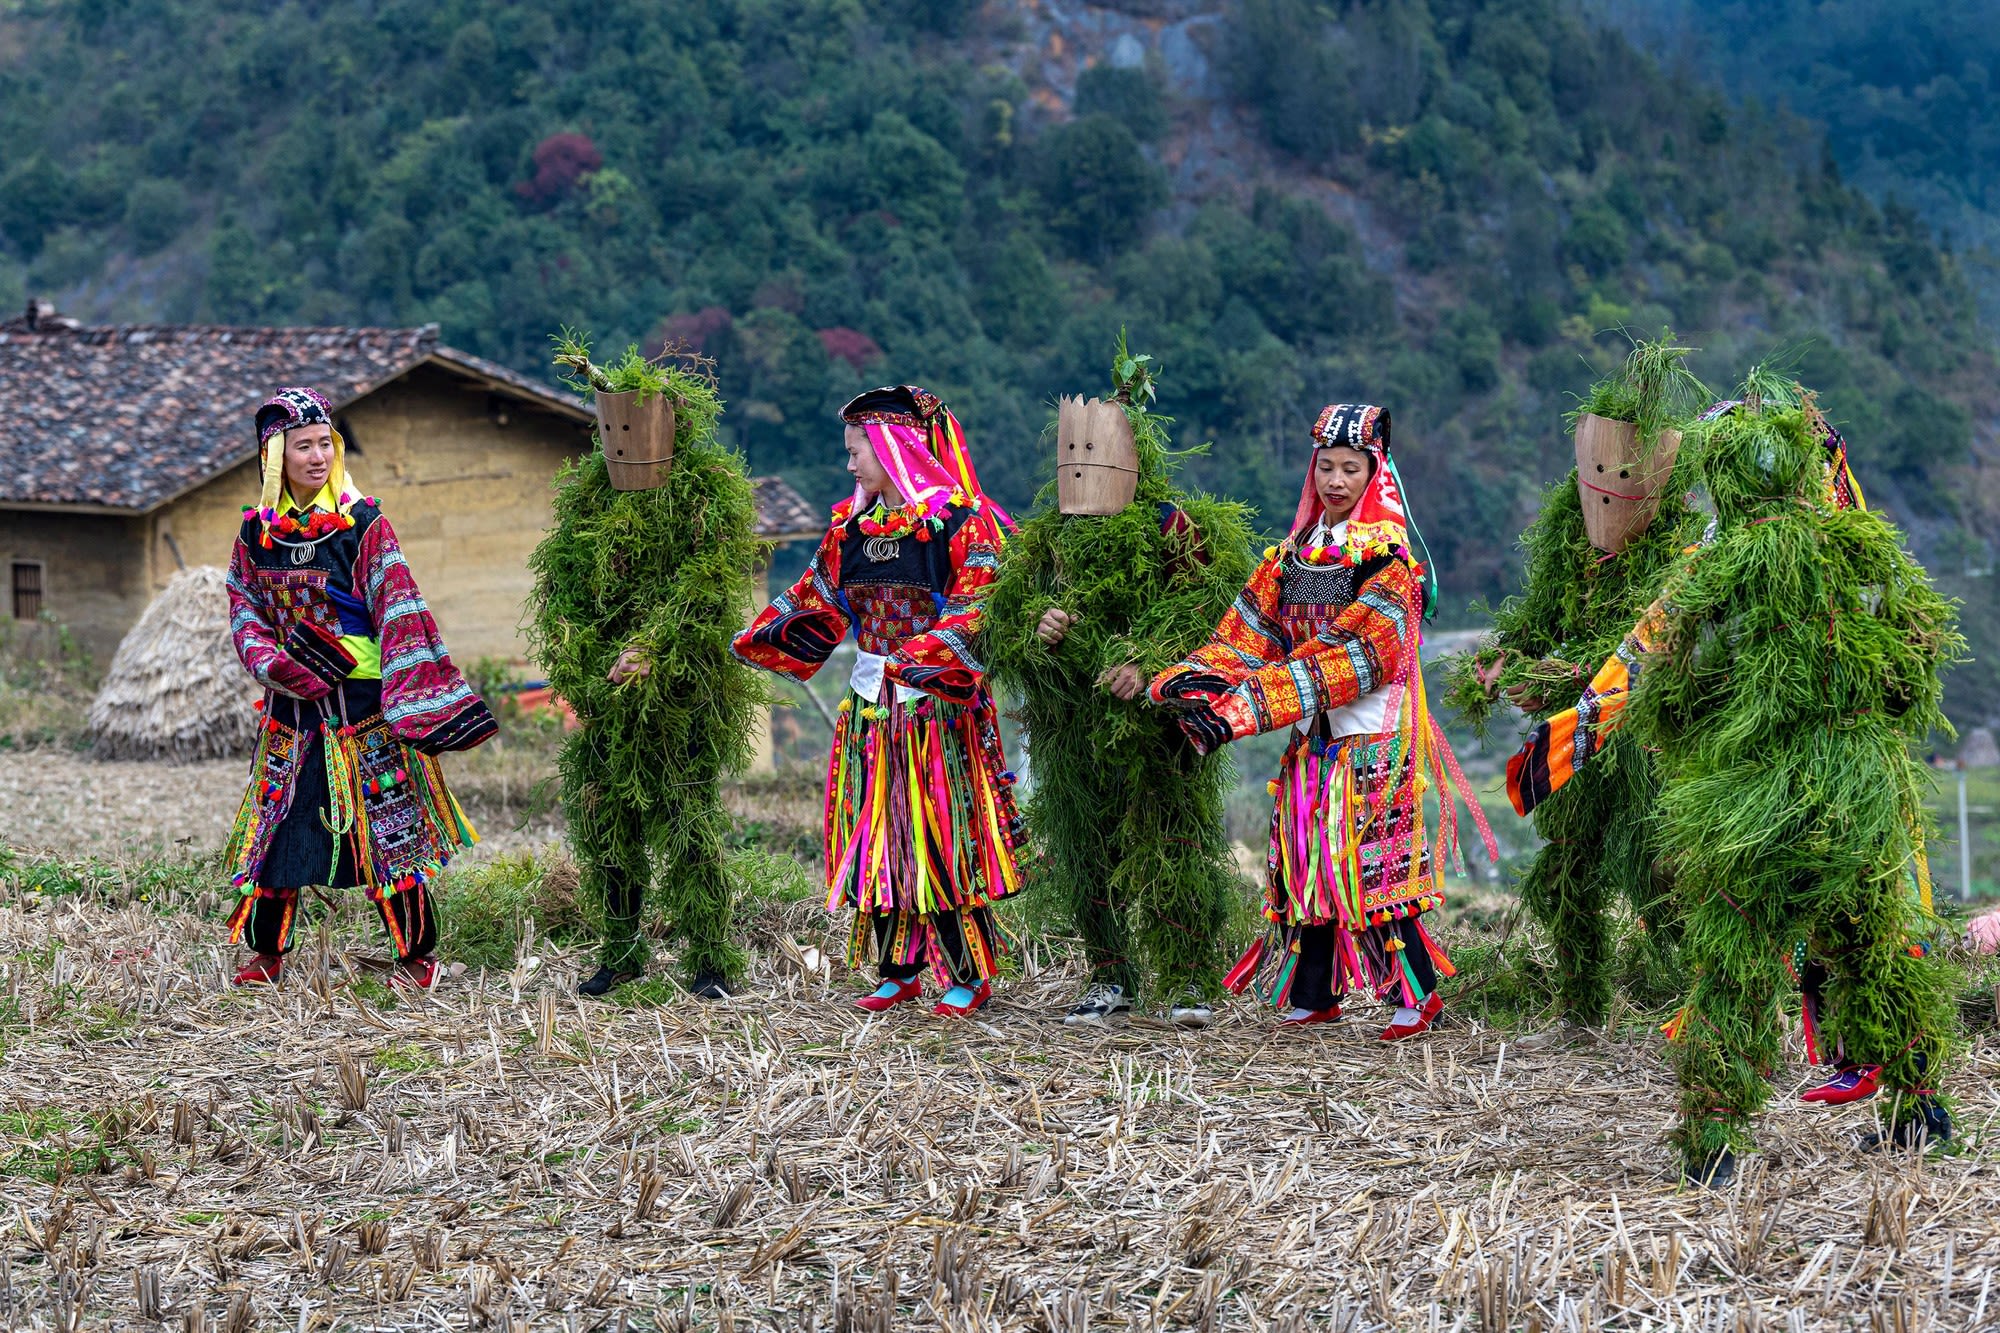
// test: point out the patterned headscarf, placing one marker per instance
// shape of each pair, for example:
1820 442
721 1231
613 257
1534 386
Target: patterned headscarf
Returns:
1379 524
288 409
922 447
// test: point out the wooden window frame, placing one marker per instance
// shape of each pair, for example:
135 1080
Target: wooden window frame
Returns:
14 567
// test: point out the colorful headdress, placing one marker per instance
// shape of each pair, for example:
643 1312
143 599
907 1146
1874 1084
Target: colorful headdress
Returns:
1379 524
288 409
921 445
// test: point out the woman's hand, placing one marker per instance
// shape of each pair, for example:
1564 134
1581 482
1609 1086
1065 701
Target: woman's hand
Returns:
632 664
1054 625
1124 682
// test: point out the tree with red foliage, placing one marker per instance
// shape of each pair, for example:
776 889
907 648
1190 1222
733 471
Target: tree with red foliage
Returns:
854 347
560 161
693 331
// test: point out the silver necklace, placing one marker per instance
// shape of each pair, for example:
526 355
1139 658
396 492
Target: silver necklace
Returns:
303 553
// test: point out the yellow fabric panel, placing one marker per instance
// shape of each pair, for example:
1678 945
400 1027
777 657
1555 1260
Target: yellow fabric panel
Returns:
367 652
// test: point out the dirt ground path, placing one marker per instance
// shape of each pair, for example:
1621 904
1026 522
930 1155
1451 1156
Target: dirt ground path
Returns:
500 1154
64 804
58 803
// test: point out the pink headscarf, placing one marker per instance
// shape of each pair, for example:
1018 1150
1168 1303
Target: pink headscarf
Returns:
921 446
918 477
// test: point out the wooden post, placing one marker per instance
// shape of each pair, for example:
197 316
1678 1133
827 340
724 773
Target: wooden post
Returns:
1964 841
763 757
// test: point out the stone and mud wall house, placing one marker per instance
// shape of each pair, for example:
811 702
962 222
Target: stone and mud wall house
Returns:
127 452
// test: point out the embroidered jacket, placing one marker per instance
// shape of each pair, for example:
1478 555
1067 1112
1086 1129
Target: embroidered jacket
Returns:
1300 640
287 618
915 602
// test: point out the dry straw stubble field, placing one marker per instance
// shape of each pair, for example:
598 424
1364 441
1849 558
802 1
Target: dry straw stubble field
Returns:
500 1155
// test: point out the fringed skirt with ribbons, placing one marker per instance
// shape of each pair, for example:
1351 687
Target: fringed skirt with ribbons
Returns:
1350 875
335 801
920 834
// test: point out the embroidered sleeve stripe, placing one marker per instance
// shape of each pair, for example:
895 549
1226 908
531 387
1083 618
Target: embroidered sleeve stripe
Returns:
415 656
245 618
427 703
1254 621
384 562
1386 603
1307 685
960 648
1361 661
400 609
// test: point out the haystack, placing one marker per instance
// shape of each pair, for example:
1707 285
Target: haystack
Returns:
175 690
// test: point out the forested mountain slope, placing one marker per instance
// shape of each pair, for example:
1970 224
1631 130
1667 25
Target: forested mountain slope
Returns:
1442 206
1905 92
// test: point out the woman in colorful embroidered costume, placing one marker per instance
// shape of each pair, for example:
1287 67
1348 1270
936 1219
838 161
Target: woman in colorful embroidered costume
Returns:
1324 640
920 817
360 699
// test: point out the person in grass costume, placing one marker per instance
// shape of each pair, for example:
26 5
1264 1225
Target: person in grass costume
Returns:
920 816
1783 676
1127 815
1600 842
635 593
1323 641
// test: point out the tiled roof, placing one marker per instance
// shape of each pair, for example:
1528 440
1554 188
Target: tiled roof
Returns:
783 514
127 417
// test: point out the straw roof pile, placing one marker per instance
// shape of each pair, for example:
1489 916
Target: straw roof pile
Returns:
175 690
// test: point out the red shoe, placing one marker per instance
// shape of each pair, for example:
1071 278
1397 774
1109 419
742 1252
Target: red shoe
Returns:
1433 1006
1299 1018
262 970
980 995
415 973
1849 1084
905 990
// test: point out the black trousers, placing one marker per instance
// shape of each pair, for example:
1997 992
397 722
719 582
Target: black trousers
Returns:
407 918
951 941
1312 983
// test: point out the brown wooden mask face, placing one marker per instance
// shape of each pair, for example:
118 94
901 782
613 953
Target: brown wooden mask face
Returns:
1097 466
637 438
1620 483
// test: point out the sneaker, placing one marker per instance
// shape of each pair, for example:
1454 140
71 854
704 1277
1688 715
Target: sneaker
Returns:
1850 1083
1298 1018
974 997
1929 1127
604 981
262 970
1191 1011
890 994
415 973
1715 1173
1402 1028
1099 1004
708 986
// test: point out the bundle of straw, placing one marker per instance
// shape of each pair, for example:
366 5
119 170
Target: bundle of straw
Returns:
175 690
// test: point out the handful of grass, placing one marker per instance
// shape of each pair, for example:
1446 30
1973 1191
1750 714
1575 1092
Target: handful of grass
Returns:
631 373
1652 390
